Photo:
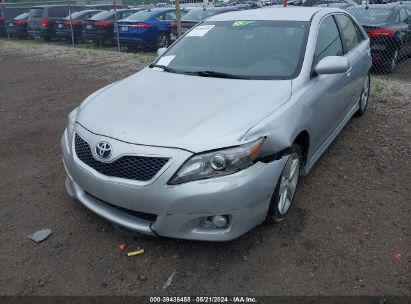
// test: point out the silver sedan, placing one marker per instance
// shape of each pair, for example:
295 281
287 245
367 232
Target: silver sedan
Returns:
210 140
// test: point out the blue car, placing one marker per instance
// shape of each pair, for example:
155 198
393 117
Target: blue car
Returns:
148 28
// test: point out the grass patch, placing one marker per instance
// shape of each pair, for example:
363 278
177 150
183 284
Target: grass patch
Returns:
378 85
396 91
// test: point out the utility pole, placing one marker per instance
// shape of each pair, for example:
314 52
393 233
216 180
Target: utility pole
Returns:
178 17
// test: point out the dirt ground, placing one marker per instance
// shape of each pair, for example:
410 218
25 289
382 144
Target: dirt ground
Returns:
347 234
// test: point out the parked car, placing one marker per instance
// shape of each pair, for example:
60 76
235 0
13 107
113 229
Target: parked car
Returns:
265 93
343 4
7 15
100 27
389 28
42 21
197 15
74 21
18 26
148 28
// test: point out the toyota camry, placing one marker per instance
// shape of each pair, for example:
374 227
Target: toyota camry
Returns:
265 93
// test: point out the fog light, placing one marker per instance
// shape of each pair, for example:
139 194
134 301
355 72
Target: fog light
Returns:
219 221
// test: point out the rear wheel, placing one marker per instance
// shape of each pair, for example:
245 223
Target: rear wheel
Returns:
162 41
283 196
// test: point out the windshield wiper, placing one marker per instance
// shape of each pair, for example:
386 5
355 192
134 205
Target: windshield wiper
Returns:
218 75
165 68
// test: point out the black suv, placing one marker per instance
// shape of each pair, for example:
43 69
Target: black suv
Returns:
42 21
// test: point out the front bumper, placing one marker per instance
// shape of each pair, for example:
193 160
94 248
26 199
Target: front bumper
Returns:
180 211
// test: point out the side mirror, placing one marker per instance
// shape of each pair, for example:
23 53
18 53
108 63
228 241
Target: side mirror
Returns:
161 51
332 65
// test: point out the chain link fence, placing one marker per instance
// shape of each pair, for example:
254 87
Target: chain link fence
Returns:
147 25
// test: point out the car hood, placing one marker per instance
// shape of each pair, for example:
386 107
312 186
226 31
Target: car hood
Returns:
195 113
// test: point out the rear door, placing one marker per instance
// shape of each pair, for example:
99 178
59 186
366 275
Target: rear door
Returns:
357 52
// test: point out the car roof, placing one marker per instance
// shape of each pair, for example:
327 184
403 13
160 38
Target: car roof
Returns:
276 13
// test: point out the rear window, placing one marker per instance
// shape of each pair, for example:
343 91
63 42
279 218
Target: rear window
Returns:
22 16
58 11
142 15
103 15
371 15
76 15
36 12
198 15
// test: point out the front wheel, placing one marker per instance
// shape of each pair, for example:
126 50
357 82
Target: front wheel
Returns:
283 196
363 102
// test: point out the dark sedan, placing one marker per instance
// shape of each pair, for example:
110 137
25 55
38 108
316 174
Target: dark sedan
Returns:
18 26
389 28
74 21
197 15
7 14
100 27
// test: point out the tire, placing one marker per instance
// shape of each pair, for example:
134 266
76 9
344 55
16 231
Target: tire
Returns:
392 64
162 41
365 94
283 196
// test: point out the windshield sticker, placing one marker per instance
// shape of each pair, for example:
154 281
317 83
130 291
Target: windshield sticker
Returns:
242 23
200 31
165 60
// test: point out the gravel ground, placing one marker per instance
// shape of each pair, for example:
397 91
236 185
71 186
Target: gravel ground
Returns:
347 234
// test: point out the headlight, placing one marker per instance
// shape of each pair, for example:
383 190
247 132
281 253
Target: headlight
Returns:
218 163
71 121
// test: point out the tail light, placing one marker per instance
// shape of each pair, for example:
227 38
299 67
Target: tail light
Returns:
141 25
102 23
21 21
44 22
72 22
381 33
173 25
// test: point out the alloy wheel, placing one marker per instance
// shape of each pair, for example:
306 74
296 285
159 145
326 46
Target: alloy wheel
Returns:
288 183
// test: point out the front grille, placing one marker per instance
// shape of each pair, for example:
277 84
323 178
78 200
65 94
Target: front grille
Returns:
141 215
130 167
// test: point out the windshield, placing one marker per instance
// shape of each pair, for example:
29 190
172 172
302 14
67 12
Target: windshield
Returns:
103 15
198 15
243 49
36 12
141 15
371 15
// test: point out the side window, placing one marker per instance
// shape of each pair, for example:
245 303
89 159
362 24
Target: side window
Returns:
328 40
170 16
127 13
360 34
348 32
58 12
